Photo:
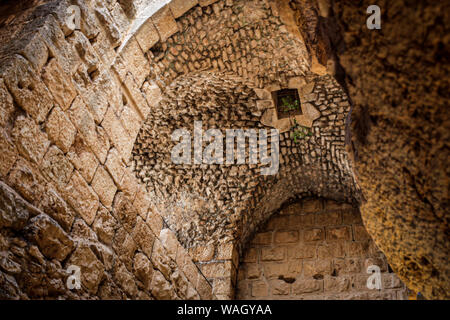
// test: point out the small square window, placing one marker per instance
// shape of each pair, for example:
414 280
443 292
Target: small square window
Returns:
287 103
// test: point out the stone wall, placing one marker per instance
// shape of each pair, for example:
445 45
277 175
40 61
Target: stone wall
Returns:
396 79
315 250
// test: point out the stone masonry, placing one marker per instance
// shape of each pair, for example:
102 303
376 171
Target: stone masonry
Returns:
315 250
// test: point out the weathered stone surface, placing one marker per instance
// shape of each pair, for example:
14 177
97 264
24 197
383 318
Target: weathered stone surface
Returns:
31 142
81 197
57 167
51 239
27 89
161 288
8 154
6 105
14 211
180 7
147 35
104 186
60 130
137 64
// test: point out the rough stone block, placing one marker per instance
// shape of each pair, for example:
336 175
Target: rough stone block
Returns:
8 154
273 254
104 225
339 233
336 284
60 130
83 158
147 35
125 280
136 62
57 167
360 233
14 211
143 269
28 90
117 134
286 236
85 123
202 253
262 238
82 198
180 7
170 242
59 84
31 142
279 287
104 186
115 166
217 269
6 105
259 289
328 218
307 286
302 251
315 234
51 239
317 267
250 255
124 211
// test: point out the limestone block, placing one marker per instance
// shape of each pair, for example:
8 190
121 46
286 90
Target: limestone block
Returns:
8 154
85 123
14 211
51 239
31 142
170 242
136 62
337 284
57 167
59 84
161 288
286 236
125 247
125 280
82 198
152 93
28 91
114 165
302 251
136 95
321 267
142 202
124 211
264 104
205 3
273 254
104 186
328 218
283 125
204 288
58 47
6 105
297 82
260 289
92 270
117 134
339 233
58 209
144 237
306 286
202 253
104 225
60 130
180 7
165 23
143 269
83 158
314 234
147 35
269 117
279 287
